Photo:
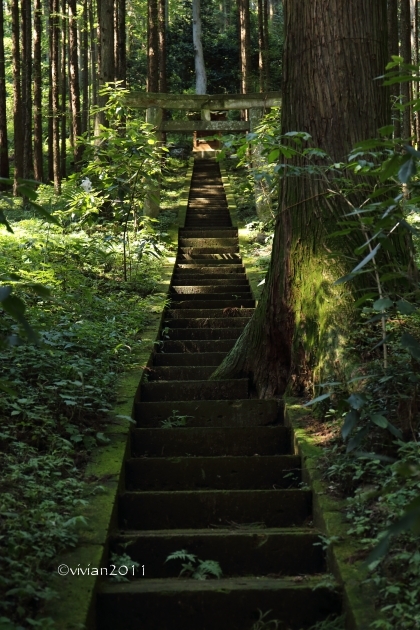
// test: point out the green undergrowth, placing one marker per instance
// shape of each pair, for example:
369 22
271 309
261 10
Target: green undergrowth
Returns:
380 477
57 396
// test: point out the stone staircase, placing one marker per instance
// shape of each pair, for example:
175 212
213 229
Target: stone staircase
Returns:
225 487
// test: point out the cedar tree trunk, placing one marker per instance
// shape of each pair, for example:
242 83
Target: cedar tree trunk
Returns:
333 51
200 69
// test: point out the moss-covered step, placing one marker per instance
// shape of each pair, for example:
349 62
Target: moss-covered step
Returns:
225 264
214 242
242 413
228 313
215 300
226 604
219 473
203 333
207 233
258 552
195 390
203 345
241 290
189 360
180 372
230 282
180 441
208 322
214 508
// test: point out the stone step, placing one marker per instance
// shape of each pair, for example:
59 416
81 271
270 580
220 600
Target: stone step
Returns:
214 413
217 473
216 242
225 604
198 264
229 233
197 359
231 282
206 303
192 277
197 346
259 552
202 333
195 390
210 312
203 322
223 290
224 253
214 508
203 441
180 373
223 256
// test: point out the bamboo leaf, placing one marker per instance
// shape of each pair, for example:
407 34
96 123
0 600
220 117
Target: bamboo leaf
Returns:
407 171
350 422
317 399
411 344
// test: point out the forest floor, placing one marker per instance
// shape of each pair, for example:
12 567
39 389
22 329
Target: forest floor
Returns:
57 396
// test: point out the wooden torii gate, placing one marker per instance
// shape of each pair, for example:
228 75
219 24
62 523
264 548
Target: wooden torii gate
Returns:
156 103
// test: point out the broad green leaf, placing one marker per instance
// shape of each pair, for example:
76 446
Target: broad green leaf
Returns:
411 344
412 151
4 292
382 304
391 167
364 298
357 401
350 422
357 439
367 259
317 399
273 156
44 213
407 170
405 307
379 420
396 432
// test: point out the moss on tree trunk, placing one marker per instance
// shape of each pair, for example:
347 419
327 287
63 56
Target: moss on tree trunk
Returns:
333 52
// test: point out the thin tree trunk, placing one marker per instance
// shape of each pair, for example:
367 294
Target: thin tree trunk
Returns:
261 45
415 61
4 148
162 45
38 157
93 57
326 42
83 42
244 31
394 51
63 90
17 95
200 69
121 43
266 51
152 47
26 21
55 92
106 56
405 52
74 85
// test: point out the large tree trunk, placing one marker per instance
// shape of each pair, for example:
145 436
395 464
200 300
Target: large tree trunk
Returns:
327 42
83 41
200 69
152 47
38 158
4 149
415 60
17 95
74 85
